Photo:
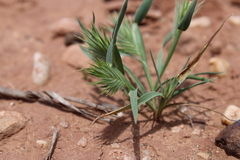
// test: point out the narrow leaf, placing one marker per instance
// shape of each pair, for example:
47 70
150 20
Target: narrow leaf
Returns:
134 104
143 99
147 97
142 11
184 73
113 56
136 80
191 86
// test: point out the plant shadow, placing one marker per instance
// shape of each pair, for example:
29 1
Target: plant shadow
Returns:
111 133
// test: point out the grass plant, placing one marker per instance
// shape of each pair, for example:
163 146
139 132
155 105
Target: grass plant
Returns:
127 40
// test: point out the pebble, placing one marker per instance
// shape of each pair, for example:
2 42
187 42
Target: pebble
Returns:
235 20
82 142
229 139
42 143
219 65
125 157
154 14
64 124
74 57
64 26
11 122
41 69
146 158
115 145
200 22
203 155
216 47
196 131
231 112
176 129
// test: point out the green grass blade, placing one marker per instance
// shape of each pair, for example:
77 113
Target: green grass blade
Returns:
135 79
118 59
207 73
198 78
113 56
143 99
156 70
134 104
147 97
189 87
142 11
138 40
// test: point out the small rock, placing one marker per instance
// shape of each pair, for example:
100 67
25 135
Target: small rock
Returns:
115 145
176 129
82 142
232 112
196 131
219 65
42 143
11 122
125 157
74 57
229 139
12 104
235 20
64 26
146 158
64 124
41 69
203 155
216 47
154 14
200 22
71 38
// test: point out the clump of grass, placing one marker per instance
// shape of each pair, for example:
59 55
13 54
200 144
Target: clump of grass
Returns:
127 40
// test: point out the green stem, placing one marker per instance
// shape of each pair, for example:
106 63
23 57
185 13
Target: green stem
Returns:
160 109
171 51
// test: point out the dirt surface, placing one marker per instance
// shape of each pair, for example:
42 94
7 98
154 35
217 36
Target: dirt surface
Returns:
24 30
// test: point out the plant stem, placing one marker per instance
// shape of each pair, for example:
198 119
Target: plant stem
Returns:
160 109
171 51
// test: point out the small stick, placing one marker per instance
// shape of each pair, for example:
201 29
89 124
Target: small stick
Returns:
53 143
52 98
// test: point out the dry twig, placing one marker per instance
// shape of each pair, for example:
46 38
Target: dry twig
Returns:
53 143
54 99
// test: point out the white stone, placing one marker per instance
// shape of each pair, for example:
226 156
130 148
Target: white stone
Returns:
74 57
11 122
64 26
196 131
64 124
176 129
235 20
115 145
219 65
154 14
82 142
232 112
203 155
41 69
42 143
200 22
